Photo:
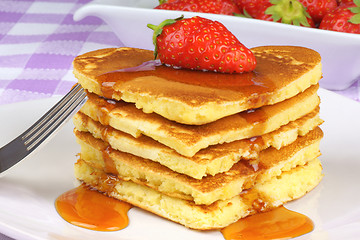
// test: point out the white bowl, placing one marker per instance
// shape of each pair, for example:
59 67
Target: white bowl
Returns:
340 51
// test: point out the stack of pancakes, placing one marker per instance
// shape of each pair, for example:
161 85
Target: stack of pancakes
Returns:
202 149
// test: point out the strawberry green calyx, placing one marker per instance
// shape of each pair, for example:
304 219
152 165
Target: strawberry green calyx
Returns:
356 10
159 28
289 12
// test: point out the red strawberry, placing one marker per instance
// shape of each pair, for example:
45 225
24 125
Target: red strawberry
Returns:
201 44
341 2
226 7
318 8
250 7
345 18
261 12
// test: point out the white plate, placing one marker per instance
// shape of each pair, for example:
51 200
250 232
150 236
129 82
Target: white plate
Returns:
339 51
28 191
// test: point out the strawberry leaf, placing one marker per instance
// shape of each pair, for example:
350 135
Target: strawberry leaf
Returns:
276 16
355 19
296 22
356 10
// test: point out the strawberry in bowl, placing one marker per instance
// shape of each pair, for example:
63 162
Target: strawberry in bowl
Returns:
344 18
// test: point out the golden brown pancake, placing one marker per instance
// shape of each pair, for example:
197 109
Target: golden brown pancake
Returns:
187 140
207 190
208 161
197 97
202 149
262 197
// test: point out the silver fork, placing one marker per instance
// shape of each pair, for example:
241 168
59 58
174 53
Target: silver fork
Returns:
27 142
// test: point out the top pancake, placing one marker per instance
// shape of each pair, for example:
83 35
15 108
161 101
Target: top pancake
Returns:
197 97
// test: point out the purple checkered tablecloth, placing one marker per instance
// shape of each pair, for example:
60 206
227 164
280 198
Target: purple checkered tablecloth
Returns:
38 41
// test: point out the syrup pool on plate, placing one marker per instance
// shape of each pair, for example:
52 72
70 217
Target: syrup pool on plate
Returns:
92 210
279 223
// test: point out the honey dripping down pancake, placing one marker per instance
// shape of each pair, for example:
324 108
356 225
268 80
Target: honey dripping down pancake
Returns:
196 97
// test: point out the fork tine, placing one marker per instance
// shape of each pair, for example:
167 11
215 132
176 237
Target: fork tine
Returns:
49 114
47 130
46 125
24 144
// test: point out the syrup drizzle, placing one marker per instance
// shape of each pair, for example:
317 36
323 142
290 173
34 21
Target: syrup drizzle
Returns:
109 162
103 114
279 223
92 210
252 83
